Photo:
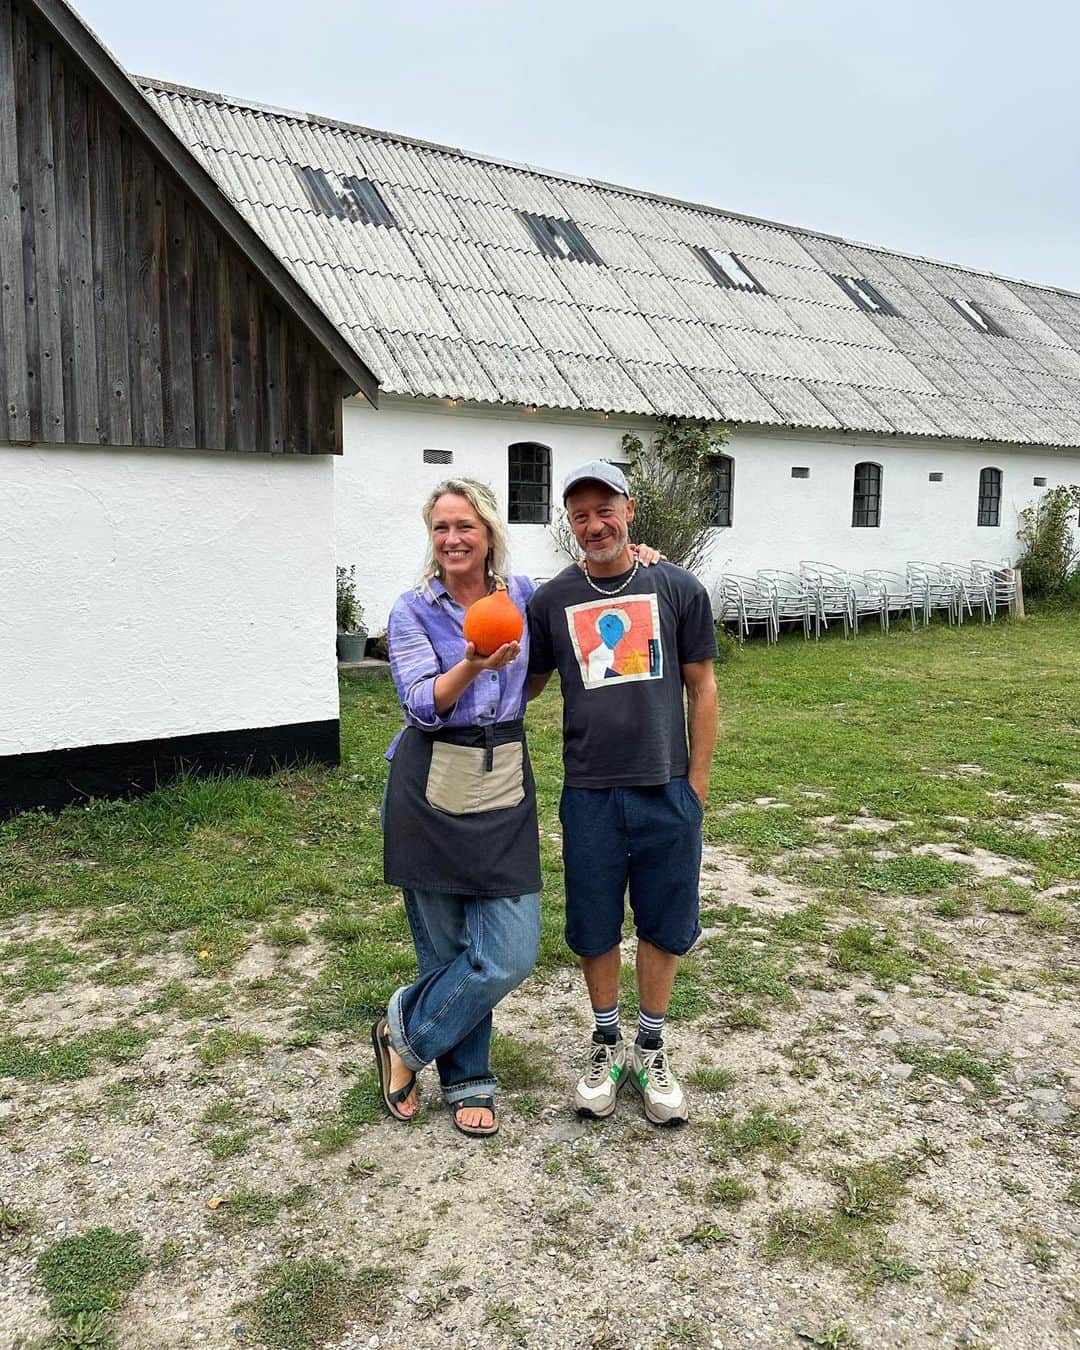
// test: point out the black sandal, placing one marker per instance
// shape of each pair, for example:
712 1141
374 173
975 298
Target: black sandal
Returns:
380 1042
486 1103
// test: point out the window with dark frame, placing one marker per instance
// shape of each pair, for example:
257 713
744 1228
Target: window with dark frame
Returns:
866 504
722 470
728 269
867 296
976 316
990 497
530 483
560 238
344 196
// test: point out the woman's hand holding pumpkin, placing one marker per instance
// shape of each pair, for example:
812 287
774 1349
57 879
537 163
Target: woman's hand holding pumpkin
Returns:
500 657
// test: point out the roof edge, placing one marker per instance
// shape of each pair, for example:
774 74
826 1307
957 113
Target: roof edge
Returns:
67 27
319 119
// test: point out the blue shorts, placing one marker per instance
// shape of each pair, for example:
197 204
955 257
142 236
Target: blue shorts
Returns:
647 837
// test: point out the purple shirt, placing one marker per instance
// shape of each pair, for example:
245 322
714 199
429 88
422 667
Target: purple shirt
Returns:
425 639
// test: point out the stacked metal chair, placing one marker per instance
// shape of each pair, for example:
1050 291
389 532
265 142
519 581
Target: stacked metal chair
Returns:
832 594
791 598
748 601
897 595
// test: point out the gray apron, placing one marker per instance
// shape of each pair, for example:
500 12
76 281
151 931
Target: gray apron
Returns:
461 813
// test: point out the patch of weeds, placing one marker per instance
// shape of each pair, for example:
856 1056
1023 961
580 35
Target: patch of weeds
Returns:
759 1132
1040 1251
284 936
908 874
682 1331
224 1146
91 1274
42 968
951 1065
520 1065
507 1319
710 1078
851 1235
360 1104
1047 917
832 1338
859 949
360 1169
217 946
729 1192
307 1303
225 1044
802 1065
734 915
121 974
414 1242
1072 1192
956 1280
733 967
186 1001
225 1112
257 1209
953 907
65 1058
169 1254
708 1235
744 1017
13 1221
801 925
762 830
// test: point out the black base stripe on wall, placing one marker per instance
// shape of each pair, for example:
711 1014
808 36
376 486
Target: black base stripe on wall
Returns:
55 778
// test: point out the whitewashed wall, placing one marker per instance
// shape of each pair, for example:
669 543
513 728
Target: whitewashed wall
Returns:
148 594
381 482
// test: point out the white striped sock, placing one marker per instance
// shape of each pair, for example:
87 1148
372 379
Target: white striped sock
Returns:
650 1025
607 1021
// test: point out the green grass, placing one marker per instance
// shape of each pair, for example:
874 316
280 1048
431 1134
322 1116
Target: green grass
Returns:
91 1273
307 1303
224 1045
758 1132
951 1065
248 1208
64 1058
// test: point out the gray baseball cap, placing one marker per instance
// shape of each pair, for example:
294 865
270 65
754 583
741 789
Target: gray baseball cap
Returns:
597 471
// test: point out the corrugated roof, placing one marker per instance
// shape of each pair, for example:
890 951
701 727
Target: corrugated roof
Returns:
461 301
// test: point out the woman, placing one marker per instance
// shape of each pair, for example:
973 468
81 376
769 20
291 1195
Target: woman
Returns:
460 830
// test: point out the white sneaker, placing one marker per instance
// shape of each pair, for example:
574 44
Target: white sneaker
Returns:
597 1090
663 1098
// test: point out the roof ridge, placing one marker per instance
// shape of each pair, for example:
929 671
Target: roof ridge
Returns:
145 82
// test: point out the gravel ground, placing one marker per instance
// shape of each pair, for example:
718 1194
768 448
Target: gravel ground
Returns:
564 1233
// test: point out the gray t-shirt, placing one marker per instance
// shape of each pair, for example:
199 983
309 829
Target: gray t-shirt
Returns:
620 662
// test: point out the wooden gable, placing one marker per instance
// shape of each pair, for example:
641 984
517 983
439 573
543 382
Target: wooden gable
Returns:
128 315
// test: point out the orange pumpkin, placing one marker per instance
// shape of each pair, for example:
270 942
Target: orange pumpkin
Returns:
492 621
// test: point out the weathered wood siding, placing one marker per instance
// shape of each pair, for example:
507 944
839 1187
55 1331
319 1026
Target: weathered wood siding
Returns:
126 318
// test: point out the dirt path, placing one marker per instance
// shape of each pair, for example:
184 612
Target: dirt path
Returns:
562 1233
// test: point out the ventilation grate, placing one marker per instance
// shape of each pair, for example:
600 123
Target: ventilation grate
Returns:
438 456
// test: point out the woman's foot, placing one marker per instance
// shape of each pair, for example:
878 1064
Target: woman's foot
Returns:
475 1117
400 1074
397 1082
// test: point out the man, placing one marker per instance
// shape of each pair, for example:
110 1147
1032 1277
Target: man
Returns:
628 643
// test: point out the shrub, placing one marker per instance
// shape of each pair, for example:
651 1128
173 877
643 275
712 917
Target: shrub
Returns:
350 613
1049 560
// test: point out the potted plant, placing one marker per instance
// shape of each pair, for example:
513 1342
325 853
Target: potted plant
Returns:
351 634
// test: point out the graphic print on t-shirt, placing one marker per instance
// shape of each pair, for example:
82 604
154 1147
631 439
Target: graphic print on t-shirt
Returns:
616 640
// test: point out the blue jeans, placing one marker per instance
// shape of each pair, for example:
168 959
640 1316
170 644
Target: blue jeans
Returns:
471 953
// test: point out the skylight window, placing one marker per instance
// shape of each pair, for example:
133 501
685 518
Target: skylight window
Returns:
344 196
560 238
976 316
728 270
867 296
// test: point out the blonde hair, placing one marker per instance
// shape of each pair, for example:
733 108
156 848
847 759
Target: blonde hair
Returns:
482 500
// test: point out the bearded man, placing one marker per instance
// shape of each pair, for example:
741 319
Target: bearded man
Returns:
634 649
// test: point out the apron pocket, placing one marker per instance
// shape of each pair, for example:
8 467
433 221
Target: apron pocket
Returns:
458 784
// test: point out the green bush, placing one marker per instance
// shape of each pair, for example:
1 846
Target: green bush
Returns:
1049 560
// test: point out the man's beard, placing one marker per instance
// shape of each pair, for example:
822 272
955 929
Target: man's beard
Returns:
611 551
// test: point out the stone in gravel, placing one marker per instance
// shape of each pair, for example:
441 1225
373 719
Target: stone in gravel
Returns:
901 1072
1052 1113
1042 1094
887 1036
965 1084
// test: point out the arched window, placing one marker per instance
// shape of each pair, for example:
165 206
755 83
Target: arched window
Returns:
530 484
866 504
990 497
722 469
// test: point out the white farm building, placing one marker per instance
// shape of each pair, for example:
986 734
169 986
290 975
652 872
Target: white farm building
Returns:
883 407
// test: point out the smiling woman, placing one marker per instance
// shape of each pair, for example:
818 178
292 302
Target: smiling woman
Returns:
460 829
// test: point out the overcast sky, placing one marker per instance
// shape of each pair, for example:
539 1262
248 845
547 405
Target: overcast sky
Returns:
949 129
